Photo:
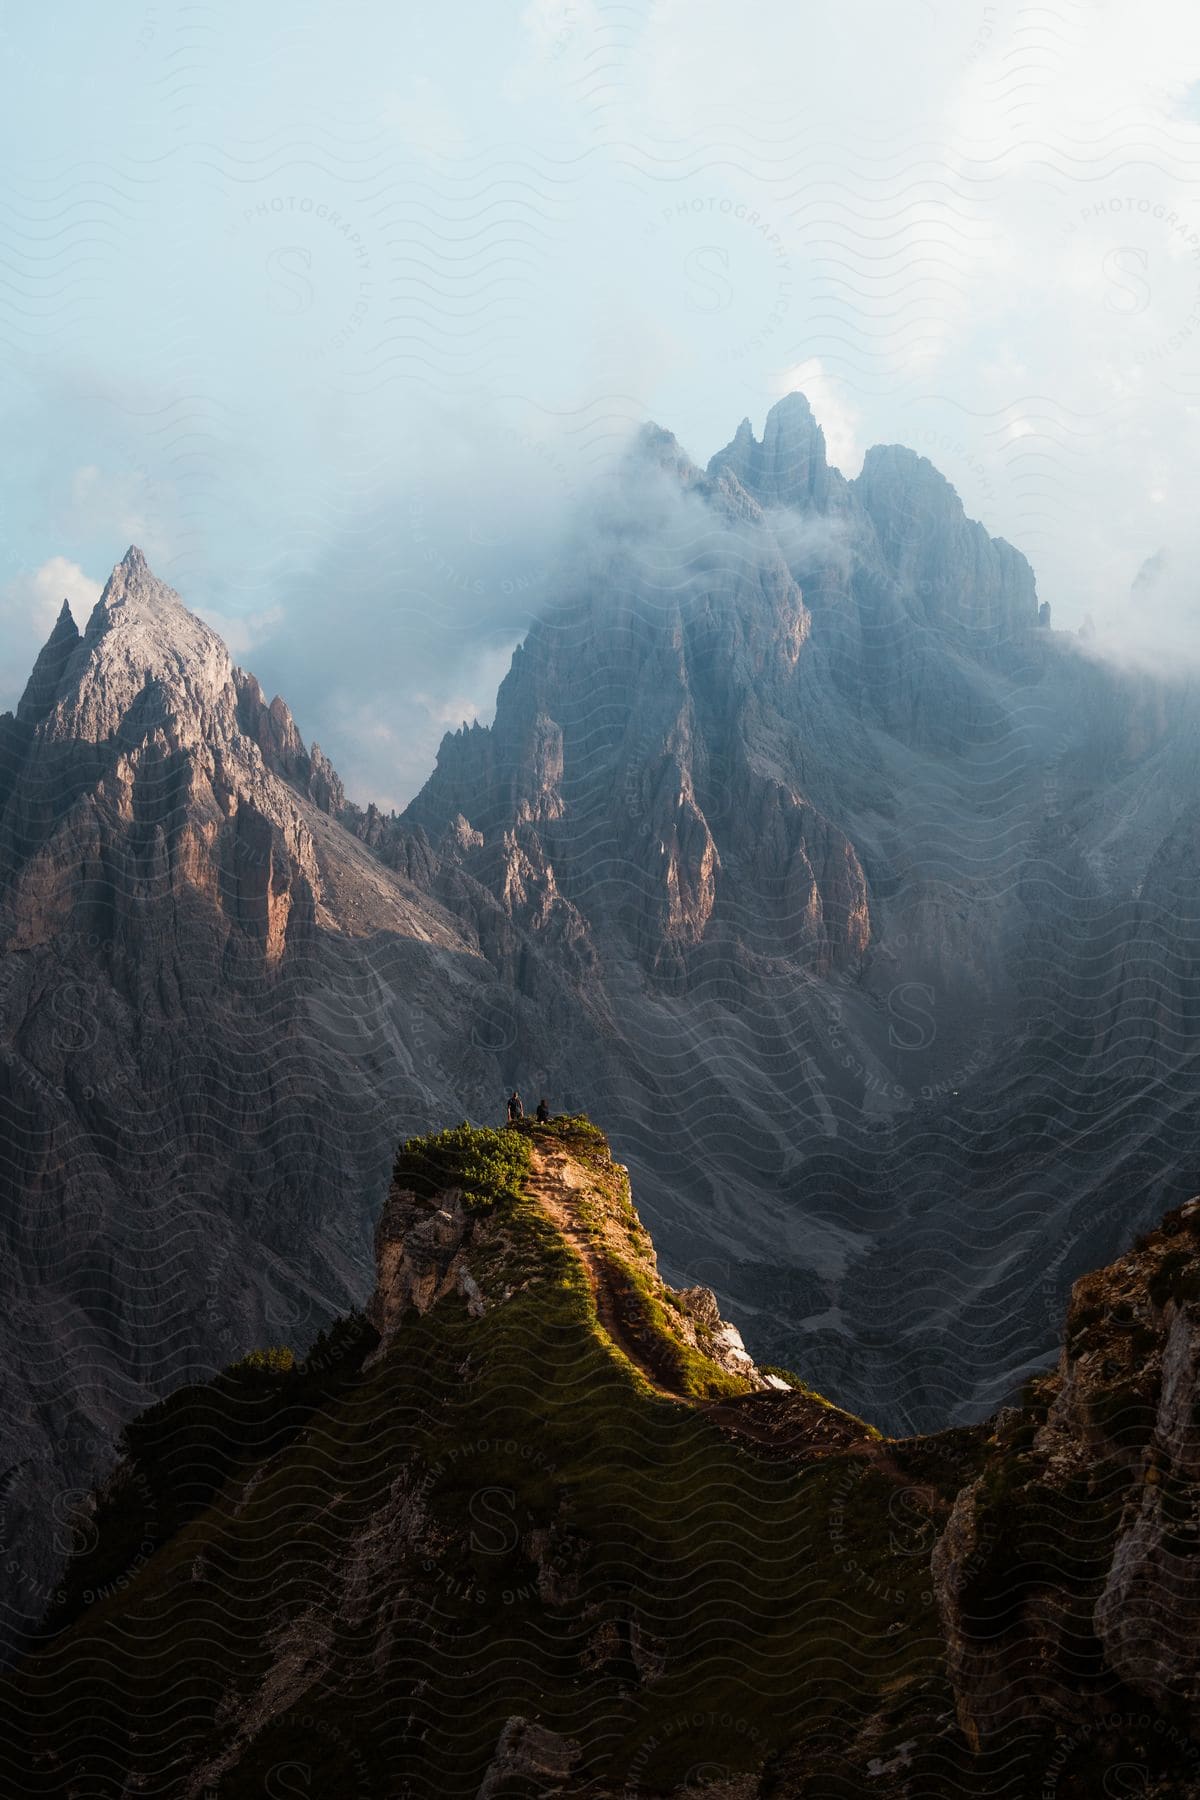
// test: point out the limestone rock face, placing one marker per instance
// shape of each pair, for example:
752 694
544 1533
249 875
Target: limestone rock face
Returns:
421 1256
789 466
218 1010
963 580
528 1753
645 736
1067 1573
521 1464
430 1247
48 670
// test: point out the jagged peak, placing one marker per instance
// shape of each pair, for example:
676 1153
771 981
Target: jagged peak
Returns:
904 492
788 466
49 669
139 634
901 458
65 624
133 587
654 443
898 482
793 407
653 436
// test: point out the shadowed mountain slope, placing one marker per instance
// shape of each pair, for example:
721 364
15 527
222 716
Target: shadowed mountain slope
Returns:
540 1526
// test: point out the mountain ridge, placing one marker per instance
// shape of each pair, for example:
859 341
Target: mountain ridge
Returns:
495 1539
806 854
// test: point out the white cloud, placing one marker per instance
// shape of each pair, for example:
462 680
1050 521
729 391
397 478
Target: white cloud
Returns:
1155 624
242 631
124 505
424 118
449 712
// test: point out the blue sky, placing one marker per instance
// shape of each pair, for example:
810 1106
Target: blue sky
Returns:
337 311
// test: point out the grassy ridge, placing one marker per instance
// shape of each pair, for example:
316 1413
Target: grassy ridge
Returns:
495 1518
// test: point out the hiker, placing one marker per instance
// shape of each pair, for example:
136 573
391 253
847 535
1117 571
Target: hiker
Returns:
515 1109
543 1111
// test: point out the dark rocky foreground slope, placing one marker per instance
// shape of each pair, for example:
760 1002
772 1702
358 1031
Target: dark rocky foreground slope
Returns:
539 1526
862 904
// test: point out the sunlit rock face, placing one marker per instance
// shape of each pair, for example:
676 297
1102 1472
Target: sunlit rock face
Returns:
217 1006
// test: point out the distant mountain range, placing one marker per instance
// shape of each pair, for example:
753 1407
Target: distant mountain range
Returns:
855 901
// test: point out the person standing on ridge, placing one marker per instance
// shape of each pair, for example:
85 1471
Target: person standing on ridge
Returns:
543 1111
515 1109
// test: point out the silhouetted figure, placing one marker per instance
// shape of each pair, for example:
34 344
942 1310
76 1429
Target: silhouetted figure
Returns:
515 1109
543 1111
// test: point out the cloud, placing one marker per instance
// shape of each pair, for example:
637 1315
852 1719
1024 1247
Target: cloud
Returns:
976 240
242 632
405 619
448 711
33 600
1155 627
122 502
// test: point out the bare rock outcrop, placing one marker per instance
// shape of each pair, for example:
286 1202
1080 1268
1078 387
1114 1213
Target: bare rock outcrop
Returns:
1068 1576
203 1066
422 1251
430 1246
540 1761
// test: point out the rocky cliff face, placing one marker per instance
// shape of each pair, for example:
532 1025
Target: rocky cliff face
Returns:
1068 1576
429 1248
216 1007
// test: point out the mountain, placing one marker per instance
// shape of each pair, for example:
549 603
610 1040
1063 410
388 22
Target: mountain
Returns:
890 884
218 1009
855 901
538 1525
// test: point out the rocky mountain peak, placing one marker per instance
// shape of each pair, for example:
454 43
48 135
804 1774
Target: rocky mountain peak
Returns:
140 636
789 466
132 585
964 578
65 624
48 670
890 468
659 448
531 1438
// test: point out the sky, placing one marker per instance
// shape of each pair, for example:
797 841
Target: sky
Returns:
338 311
